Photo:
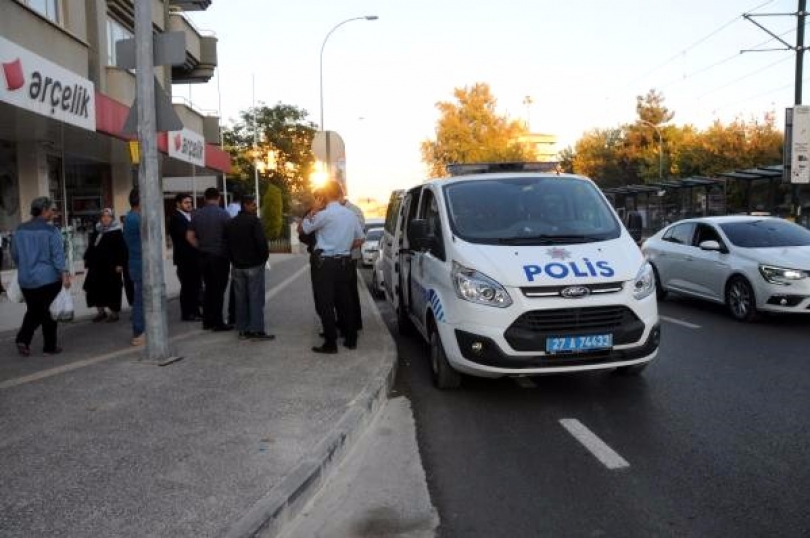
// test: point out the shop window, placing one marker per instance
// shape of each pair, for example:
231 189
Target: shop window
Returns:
50 9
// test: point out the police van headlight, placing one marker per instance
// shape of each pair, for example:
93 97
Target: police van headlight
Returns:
478 288
644 283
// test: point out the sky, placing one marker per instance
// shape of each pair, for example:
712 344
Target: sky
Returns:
582 62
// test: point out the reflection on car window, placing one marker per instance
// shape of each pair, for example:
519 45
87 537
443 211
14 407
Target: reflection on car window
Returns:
766 233
499 210
681 233
374 234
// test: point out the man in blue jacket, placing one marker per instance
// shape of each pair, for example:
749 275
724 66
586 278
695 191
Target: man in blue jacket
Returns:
39 253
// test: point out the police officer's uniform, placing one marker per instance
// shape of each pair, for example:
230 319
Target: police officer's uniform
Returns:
336 228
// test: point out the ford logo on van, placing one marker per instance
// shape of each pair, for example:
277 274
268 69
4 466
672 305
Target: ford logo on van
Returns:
575 292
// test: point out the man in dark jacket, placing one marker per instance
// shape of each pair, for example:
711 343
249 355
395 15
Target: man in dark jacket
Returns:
206 232
248 252
186 258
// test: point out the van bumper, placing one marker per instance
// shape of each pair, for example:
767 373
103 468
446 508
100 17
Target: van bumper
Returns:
480 355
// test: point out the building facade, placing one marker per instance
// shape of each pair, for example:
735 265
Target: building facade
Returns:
63 103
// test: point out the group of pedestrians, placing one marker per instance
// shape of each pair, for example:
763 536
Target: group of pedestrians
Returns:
224 246
333 230
209 248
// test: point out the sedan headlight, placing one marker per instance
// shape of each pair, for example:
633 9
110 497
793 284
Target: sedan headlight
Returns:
644 283
782 276
478 288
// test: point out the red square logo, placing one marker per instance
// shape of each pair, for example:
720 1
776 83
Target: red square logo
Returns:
14 75
178 141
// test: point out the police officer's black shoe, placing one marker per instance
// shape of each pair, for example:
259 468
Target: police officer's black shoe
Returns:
325 348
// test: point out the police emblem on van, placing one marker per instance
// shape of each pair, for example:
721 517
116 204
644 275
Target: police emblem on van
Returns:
575 292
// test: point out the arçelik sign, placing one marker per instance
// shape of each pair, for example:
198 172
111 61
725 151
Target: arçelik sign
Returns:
36 84
188 146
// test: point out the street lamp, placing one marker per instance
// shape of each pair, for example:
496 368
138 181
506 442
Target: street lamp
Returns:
326 135
660 148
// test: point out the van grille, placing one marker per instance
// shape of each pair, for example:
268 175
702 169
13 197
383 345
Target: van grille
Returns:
530 330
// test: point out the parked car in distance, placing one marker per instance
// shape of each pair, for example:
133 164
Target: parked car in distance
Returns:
748 263
373 223
371 246
377 282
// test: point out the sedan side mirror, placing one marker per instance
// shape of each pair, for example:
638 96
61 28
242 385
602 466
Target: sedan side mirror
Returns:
711 244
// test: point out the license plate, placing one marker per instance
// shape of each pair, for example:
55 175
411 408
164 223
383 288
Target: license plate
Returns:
569 344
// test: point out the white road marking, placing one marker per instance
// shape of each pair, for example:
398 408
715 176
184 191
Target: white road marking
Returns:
525 382
677 321
44 374
609 457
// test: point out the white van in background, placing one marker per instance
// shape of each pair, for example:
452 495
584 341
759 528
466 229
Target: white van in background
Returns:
509 271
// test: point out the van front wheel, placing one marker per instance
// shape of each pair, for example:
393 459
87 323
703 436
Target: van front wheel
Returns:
444 376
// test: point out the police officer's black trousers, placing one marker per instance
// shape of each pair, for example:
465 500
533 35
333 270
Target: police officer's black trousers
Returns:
332 285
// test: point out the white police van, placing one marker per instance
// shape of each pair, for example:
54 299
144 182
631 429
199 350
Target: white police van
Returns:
507 270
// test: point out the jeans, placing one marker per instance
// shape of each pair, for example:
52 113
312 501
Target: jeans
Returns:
248 286
38 302
138 325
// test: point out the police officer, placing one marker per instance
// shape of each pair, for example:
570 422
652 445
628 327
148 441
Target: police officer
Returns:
337 231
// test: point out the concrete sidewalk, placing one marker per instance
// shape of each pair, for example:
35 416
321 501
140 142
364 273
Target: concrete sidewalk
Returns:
229 441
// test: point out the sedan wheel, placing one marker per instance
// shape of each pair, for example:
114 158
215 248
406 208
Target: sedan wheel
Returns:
741 300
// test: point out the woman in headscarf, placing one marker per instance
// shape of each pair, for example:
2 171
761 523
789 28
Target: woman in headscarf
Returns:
104 263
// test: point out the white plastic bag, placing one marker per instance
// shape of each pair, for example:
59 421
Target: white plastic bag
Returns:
62 307
13 292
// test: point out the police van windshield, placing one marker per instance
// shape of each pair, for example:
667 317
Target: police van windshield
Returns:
529 211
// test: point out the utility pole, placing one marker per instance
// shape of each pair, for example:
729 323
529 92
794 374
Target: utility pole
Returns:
801 15
154 283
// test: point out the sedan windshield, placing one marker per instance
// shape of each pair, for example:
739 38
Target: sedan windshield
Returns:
766 233
529 211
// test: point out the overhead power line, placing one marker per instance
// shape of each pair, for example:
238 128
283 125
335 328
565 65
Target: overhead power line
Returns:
699 42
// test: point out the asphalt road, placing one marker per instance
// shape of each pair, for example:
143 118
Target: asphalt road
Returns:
711 440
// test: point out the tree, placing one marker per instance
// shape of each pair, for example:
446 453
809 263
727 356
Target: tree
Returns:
470 130
598 155
272 212
283 136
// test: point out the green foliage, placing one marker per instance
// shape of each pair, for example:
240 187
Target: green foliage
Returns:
470 130
631 153
279 140
272 213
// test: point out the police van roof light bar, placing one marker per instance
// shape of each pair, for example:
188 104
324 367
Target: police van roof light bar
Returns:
462 169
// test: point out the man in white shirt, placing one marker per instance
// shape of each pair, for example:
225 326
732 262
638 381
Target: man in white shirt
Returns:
337 231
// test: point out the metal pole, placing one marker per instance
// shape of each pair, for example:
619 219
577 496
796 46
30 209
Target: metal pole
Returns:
154 285
801 15
323 45
221 139
255 154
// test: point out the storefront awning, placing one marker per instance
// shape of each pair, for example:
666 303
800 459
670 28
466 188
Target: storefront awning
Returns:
110 118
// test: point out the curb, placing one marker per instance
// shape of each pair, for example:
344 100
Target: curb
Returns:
284 502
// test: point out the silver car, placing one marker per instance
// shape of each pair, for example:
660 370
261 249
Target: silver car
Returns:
748 263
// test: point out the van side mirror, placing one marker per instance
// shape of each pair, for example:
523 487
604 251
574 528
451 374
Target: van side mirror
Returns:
418 235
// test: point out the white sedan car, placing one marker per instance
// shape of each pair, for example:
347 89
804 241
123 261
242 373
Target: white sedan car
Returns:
748 263
371 246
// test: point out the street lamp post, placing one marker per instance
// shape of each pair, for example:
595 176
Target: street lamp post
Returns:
660 148
326 134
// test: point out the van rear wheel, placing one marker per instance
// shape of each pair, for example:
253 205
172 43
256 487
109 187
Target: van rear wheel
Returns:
444 376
